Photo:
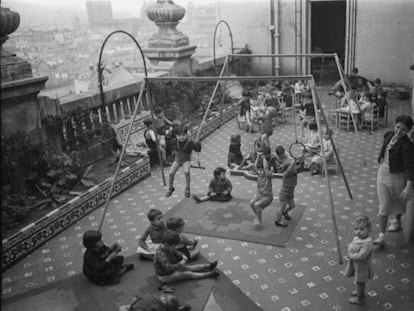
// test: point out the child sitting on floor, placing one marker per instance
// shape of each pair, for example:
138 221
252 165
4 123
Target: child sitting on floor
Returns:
219 188
151 302
186 246
101 264
155 231
171 266
235 156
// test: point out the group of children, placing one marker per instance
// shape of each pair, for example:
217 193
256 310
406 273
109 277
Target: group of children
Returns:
171 250
103 265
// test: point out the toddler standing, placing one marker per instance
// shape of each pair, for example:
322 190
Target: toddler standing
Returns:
359 253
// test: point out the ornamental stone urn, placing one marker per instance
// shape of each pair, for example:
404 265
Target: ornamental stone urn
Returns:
19 89
168 45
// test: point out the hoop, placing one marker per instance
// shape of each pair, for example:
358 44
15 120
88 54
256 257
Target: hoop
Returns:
297 150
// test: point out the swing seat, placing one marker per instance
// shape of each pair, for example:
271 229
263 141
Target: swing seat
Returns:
248 175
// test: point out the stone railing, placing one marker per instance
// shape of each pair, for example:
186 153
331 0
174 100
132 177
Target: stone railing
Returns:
17 246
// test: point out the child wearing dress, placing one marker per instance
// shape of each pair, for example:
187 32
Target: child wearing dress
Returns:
184 149
264 195
286 195
359 253
155 231
186 246
219 188
317 161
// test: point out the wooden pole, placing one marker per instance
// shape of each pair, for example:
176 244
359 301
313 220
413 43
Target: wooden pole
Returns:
122 154
211 98
328 183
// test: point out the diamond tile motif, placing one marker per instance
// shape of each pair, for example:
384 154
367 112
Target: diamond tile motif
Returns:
305 275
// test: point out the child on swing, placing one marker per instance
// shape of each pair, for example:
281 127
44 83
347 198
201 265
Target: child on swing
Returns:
264 195
219 188
359 253
184 148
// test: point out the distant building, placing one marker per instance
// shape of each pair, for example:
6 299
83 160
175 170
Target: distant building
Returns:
99 13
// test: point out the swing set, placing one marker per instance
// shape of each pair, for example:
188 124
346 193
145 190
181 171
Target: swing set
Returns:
297 149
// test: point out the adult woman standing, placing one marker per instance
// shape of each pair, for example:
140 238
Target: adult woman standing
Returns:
395 179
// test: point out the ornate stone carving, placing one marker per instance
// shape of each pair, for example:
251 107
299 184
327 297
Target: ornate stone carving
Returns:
9 22
166 15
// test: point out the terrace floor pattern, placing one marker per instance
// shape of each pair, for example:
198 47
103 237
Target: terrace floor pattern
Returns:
304 275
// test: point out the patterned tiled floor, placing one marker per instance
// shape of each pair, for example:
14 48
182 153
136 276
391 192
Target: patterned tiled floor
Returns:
305 275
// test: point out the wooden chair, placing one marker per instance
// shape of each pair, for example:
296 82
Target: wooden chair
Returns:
371 119
344 119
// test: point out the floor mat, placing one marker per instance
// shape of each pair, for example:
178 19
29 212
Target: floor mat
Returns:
234 220
77 294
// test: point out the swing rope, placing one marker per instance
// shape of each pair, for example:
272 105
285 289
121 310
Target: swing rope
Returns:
207 110
143 83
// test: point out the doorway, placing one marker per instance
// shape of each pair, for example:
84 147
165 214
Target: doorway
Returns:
328 29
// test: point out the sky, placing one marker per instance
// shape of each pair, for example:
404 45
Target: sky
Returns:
116 4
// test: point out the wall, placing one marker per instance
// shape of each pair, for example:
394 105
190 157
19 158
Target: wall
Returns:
385 40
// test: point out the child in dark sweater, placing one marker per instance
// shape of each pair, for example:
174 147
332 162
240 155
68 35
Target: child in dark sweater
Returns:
219 188
101 264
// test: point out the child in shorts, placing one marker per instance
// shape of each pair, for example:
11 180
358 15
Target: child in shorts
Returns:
186 245
155 231
264 195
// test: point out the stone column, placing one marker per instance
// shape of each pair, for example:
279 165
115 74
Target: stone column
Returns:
169 49
19 89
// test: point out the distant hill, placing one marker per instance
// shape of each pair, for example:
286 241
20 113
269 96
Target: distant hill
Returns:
40 14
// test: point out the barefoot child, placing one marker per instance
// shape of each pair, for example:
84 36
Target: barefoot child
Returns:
155 231
184 148
219 188
186 246
289 182
264 195
359 253
101 264
171 266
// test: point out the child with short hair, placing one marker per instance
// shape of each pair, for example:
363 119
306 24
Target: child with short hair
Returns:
312 144
155 231
186 246
245 110
219 188
289 181
171 266
264 195
101 264
359 253
267 123
184 149
235 156
317 161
